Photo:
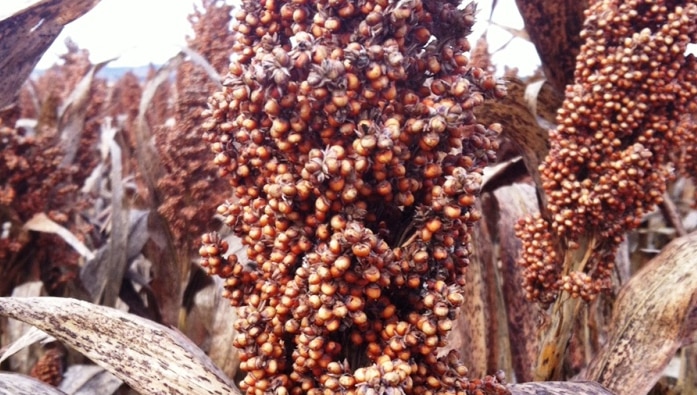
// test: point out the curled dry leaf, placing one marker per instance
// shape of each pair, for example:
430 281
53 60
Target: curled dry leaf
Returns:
27 34
42 223
32 336
503 174
514 202
475 323
559 388
19 384
89 380
102 276
17 335
209 323
520 125
655 314
543 102
73 114
118 239
168 268
149 357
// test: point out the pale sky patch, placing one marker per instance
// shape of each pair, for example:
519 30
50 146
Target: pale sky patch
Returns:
140 32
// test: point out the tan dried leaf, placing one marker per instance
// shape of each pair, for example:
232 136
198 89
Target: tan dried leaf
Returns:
520 125
40 222
73 114
210 320
559 388
514 202
543 101
655 314
19 384
89 380
27 34
29 338
475 325
118 237
149 357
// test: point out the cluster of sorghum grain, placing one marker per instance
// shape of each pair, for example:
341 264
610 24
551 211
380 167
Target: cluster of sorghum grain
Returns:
50 367
617 138
32 181
347 133
42 172
190 181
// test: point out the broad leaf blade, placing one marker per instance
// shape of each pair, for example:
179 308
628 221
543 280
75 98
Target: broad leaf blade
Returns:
149 357
89 380
559 388
31 337
20 355
514 202
520 125
655 314
41 222
27 34
19 384
73 114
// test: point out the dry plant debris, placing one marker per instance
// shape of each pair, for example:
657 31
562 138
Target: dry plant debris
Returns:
650 344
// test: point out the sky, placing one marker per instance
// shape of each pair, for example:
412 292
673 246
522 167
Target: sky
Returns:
140 32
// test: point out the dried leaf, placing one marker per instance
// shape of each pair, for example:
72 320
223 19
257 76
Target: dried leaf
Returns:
149 357
27 34
654 315
481 336
98 271
40 222
89 380
22 360
687 378
169 269
519 125
554 26
514 202
559 388
148 159
103 275
32 336
503 174
138 233
107 133
19 384
209 322
544 101
73 114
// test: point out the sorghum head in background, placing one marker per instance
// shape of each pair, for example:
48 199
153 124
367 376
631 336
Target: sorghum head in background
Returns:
190 182
625 123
